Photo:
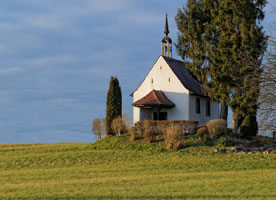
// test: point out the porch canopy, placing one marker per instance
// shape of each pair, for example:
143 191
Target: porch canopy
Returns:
154 99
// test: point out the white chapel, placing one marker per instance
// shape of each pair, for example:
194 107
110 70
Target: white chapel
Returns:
170 92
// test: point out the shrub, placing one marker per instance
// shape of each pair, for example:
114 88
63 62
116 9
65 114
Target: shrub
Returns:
224 141
148 135
191 128
118 126
217 127
98 127
229 131
133 133
139 132
249 127
173 136
161 128
202 131
147 124
140 129
262 141
207 140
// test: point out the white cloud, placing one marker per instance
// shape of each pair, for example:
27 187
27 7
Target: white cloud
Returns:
143 18
10 70
108 5
46 22
50 61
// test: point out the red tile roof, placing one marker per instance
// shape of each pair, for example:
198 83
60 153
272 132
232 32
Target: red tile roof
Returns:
154 99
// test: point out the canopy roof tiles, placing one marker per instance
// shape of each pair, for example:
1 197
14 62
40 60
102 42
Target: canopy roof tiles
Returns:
154 99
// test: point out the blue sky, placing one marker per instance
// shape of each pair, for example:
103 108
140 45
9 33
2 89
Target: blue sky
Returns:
56 58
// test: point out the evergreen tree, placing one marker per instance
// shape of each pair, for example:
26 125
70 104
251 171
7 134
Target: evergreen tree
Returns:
249 127
215 37
110 106
197 43
118 97
241 44
113 103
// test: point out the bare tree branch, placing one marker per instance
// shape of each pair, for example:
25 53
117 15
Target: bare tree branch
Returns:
267 98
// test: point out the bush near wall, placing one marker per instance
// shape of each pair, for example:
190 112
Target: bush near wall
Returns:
202 131
263 141
249 127
149 135
224 141
133 133
217 127
173 137
187 126
119 126
161 128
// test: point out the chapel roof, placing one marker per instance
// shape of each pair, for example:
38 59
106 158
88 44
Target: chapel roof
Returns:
185 76
154 99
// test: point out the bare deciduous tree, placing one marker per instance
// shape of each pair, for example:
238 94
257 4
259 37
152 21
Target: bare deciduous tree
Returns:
118 125
98 127
267 98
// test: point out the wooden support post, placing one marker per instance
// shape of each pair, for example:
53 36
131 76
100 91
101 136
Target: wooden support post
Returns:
158 113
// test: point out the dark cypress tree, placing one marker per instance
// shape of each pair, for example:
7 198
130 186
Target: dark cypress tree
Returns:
113 104
217 37
110 106
118 97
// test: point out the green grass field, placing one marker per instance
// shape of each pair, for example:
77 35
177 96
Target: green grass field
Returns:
117 169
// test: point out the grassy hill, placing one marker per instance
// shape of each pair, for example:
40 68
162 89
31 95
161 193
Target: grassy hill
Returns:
114 168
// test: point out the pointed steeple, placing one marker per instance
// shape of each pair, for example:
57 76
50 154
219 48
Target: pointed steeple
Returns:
166 42
166 30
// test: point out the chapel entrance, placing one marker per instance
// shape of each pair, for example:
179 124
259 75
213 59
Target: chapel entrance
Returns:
162 116
156 103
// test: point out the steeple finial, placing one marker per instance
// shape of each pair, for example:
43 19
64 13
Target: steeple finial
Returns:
166 30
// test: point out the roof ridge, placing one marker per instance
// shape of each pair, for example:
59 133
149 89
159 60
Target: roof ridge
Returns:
192 85
146 75
155 95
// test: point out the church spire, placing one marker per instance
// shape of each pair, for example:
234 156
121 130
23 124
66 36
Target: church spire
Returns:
166 43
166 30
